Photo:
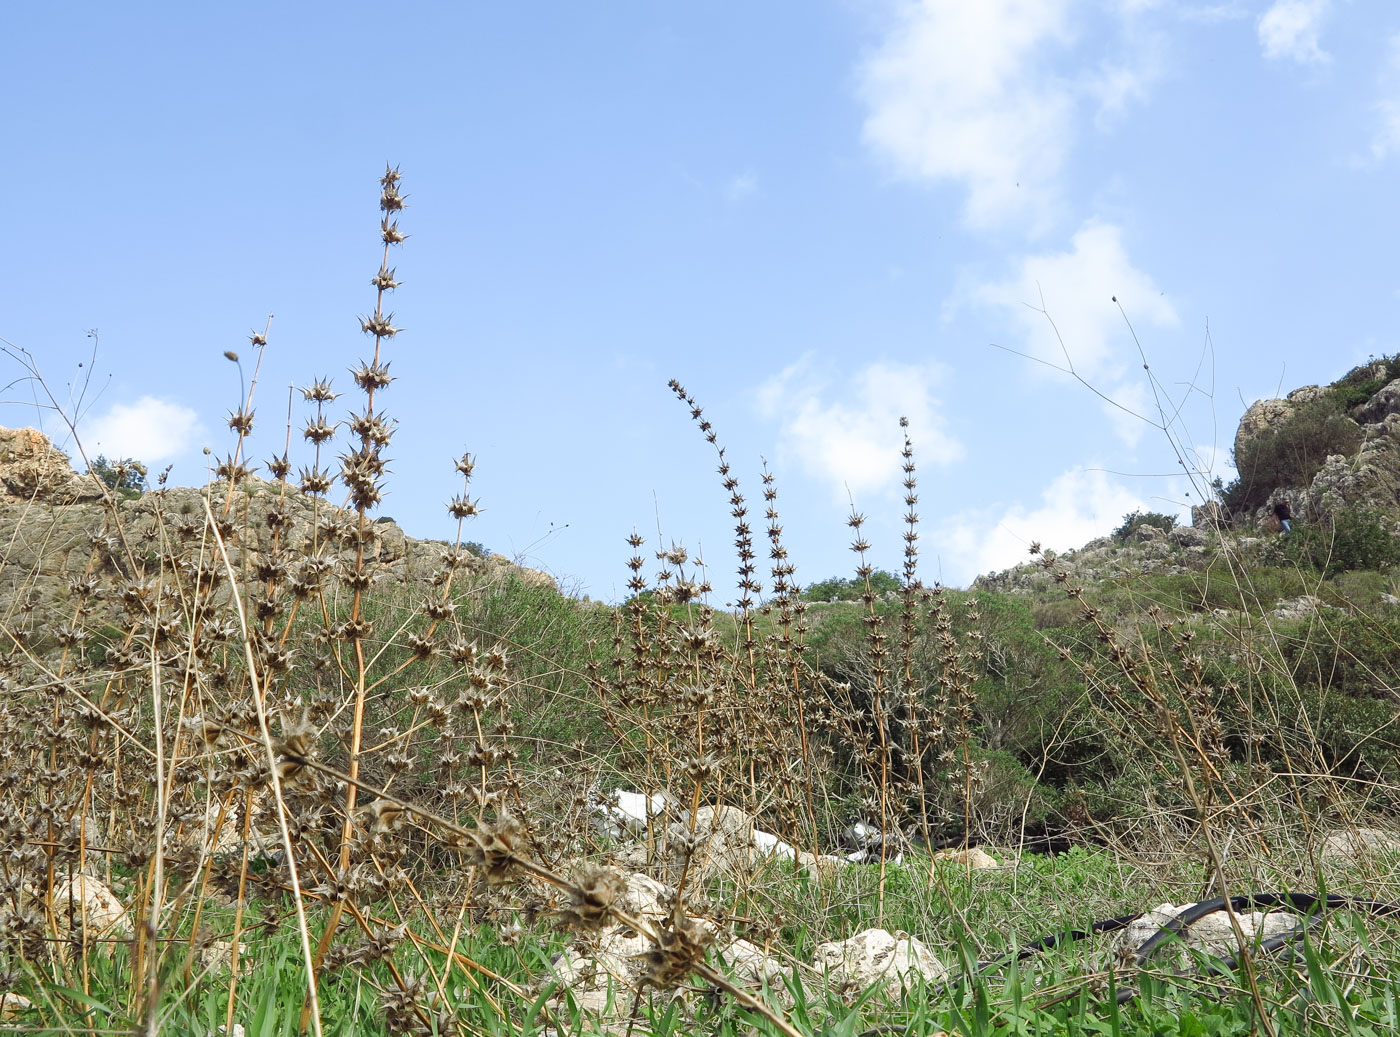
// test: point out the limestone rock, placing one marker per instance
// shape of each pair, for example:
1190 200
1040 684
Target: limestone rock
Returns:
1380 406
606 968
12 1004
1368 480
1350 845
1300 607
1207 516
1306 394
974 859
1189 536
896 961
1261 416
87 904
1212 933
32 468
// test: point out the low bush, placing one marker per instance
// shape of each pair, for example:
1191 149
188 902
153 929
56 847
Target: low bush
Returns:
1348 540
1136 519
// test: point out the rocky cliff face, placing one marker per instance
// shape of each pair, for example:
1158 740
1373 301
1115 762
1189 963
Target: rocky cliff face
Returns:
59 529
1367 479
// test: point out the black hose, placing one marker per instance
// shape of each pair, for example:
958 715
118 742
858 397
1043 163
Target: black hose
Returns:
1310 905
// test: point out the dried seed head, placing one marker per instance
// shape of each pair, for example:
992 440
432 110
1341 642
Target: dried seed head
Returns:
492 848
594 892
294 749
678 949
390 232
372 376
319 391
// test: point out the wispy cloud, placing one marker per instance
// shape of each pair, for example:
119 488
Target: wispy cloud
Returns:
959 91
1386 139
846 434
150 430
740 186
1075 507
987 95
1077 288
1291 29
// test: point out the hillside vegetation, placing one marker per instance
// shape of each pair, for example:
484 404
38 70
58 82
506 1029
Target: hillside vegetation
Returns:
269 763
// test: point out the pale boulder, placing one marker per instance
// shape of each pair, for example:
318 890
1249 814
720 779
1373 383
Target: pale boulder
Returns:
895 961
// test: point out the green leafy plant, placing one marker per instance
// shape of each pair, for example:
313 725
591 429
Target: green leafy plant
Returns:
1346 541
126 476
1135 520
837 588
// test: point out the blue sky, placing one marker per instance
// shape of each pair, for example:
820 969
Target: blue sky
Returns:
817 216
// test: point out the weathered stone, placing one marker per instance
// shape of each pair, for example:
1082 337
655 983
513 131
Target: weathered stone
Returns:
1212 933
1189 536
12 1004
1384 403
86 904
974 859
1208 516
896 961
1351 845
607 968
1306 394
1261 417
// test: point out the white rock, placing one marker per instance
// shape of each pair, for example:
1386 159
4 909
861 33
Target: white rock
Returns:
771 846
894 960
1212 933
622 813
1350 845
90 905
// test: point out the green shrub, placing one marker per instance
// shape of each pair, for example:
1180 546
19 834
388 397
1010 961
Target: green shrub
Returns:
126 476
837 589
1349 540
1136 519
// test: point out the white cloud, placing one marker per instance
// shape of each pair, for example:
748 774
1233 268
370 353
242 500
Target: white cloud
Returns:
150 430
1212 14
957 92
741 186
1078 288
1077 506
1386 139
1290 29
849 437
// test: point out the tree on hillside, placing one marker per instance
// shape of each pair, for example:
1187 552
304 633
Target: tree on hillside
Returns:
839 589
127 476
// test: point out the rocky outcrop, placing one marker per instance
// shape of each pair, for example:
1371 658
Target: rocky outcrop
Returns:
1380 406
33 470
1369 480
603 972
721 841
1263 416
1148 550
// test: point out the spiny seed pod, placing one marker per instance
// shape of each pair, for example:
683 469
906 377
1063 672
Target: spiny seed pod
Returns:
678 949
594 892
